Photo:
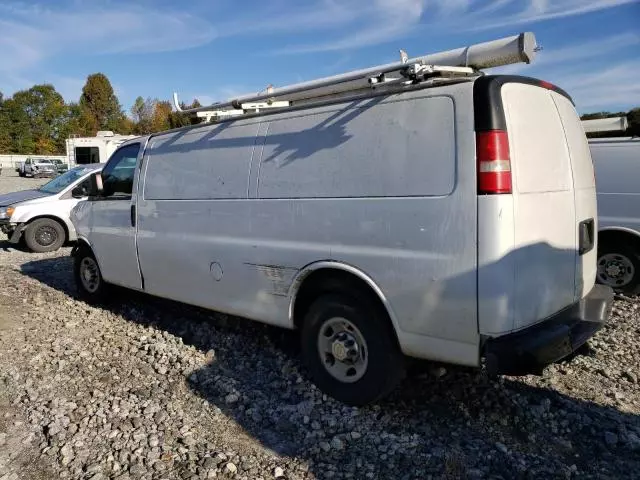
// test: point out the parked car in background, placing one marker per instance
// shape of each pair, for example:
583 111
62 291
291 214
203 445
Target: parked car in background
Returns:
37 168
429 221
61 167
41 216
617 170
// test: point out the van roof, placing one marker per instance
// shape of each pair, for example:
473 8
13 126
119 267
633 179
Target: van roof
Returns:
488 102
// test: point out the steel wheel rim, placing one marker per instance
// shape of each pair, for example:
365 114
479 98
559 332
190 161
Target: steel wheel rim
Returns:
615 270
89 274
343 350
46 235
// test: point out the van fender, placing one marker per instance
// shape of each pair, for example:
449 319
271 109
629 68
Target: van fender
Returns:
81 241
304 272
630 231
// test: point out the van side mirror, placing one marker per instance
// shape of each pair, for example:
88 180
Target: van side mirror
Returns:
92 187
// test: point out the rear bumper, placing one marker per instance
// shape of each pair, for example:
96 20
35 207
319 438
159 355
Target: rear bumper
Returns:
530 350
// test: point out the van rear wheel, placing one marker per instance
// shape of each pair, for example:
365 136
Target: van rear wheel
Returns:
89 282
619 268
350 349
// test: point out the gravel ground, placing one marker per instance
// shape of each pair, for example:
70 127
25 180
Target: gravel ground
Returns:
150 389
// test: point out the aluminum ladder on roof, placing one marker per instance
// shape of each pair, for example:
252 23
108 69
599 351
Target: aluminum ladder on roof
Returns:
462 61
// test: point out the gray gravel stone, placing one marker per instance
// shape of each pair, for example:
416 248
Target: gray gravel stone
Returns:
144 389
610 438
337 444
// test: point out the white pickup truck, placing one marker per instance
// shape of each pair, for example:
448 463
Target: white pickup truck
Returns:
38 167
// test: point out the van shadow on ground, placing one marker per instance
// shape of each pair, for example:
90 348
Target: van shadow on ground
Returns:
454 426
7 246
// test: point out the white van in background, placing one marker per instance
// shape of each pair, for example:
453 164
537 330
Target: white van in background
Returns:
617 166
425 211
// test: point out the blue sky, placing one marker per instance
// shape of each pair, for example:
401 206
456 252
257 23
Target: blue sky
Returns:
220 48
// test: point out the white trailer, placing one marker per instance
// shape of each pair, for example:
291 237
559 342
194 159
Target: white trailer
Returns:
98 149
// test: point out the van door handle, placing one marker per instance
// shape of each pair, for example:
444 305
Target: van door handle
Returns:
133 215
586 236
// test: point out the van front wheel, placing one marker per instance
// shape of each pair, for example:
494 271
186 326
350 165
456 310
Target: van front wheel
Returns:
350 349
619 268
88 277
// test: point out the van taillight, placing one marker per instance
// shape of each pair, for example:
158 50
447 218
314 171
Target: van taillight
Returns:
494 163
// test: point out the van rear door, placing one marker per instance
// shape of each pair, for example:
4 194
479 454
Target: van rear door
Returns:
584 186
537 234
544 208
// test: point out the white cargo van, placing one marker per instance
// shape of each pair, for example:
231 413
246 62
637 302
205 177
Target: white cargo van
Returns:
617 165
449 218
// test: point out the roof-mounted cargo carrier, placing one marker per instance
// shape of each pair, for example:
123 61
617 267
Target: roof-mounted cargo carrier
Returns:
458 63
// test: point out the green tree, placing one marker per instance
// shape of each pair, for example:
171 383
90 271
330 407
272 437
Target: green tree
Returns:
35 120
100 106
634 122
5 127
20 134
180 119
142 112
161 116
46 115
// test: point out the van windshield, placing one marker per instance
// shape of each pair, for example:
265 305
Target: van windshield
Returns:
63 181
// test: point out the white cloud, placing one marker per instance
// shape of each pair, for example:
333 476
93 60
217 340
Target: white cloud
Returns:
531 11
371 22
33 38
591 72
611 87
368 23
32 35
573 53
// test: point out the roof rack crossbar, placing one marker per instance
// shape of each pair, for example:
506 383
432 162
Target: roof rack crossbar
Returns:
460 61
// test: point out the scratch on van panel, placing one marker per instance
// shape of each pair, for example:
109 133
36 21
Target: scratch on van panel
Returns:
278 276
500 214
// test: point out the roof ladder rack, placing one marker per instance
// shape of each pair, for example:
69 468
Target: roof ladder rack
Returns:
460 62
254 107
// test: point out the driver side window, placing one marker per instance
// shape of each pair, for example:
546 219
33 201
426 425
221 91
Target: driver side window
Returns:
117 176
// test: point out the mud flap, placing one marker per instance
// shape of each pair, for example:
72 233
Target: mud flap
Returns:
17 233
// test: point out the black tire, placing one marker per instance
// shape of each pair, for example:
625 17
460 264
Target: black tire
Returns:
83 259
44 235
21 174
385 362
619 268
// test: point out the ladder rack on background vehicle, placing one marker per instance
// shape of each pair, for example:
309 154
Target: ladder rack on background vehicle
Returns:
458 63
613 124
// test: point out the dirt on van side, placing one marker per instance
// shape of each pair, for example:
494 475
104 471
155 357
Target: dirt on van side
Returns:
143 388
